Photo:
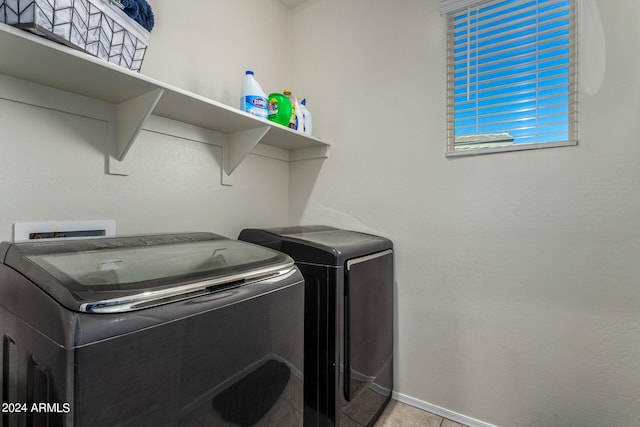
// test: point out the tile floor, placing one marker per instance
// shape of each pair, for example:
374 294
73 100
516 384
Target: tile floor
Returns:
398 414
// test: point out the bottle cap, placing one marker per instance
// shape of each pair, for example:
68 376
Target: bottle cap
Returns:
304 102
286 92
249 72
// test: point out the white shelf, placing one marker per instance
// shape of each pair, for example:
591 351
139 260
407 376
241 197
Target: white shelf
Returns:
35 59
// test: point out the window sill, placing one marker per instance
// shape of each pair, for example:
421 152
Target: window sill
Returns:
522 147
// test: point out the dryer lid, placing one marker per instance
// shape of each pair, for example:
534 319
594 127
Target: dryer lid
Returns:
318 244
80 273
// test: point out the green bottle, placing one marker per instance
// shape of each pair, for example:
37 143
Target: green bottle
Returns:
279 109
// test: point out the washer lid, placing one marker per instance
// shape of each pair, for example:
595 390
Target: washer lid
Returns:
127 273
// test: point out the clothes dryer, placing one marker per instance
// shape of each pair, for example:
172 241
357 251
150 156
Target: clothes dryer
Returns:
348 320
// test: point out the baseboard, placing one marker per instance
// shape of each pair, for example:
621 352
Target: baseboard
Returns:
454 416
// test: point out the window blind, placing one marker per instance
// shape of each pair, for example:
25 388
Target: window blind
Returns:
511 74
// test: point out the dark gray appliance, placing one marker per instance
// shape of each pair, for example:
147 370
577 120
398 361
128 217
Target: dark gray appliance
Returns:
163 330
348 320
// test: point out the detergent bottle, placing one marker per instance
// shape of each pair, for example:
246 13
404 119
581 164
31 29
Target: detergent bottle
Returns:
307 119
279 109
296 120
253 100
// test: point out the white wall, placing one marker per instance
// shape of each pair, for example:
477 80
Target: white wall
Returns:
52 163
206 46
517 273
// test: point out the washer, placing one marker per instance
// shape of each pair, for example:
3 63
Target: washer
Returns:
348 320
163 330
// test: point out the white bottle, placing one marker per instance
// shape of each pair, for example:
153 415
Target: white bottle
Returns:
299 116
253 100
308 120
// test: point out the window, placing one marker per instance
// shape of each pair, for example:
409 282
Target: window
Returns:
511 74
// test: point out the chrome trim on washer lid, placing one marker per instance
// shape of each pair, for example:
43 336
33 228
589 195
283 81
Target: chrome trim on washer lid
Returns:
163 296
368 258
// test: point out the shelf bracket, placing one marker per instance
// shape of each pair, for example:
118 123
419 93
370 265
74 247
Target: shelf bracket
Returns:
130 118
238 147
